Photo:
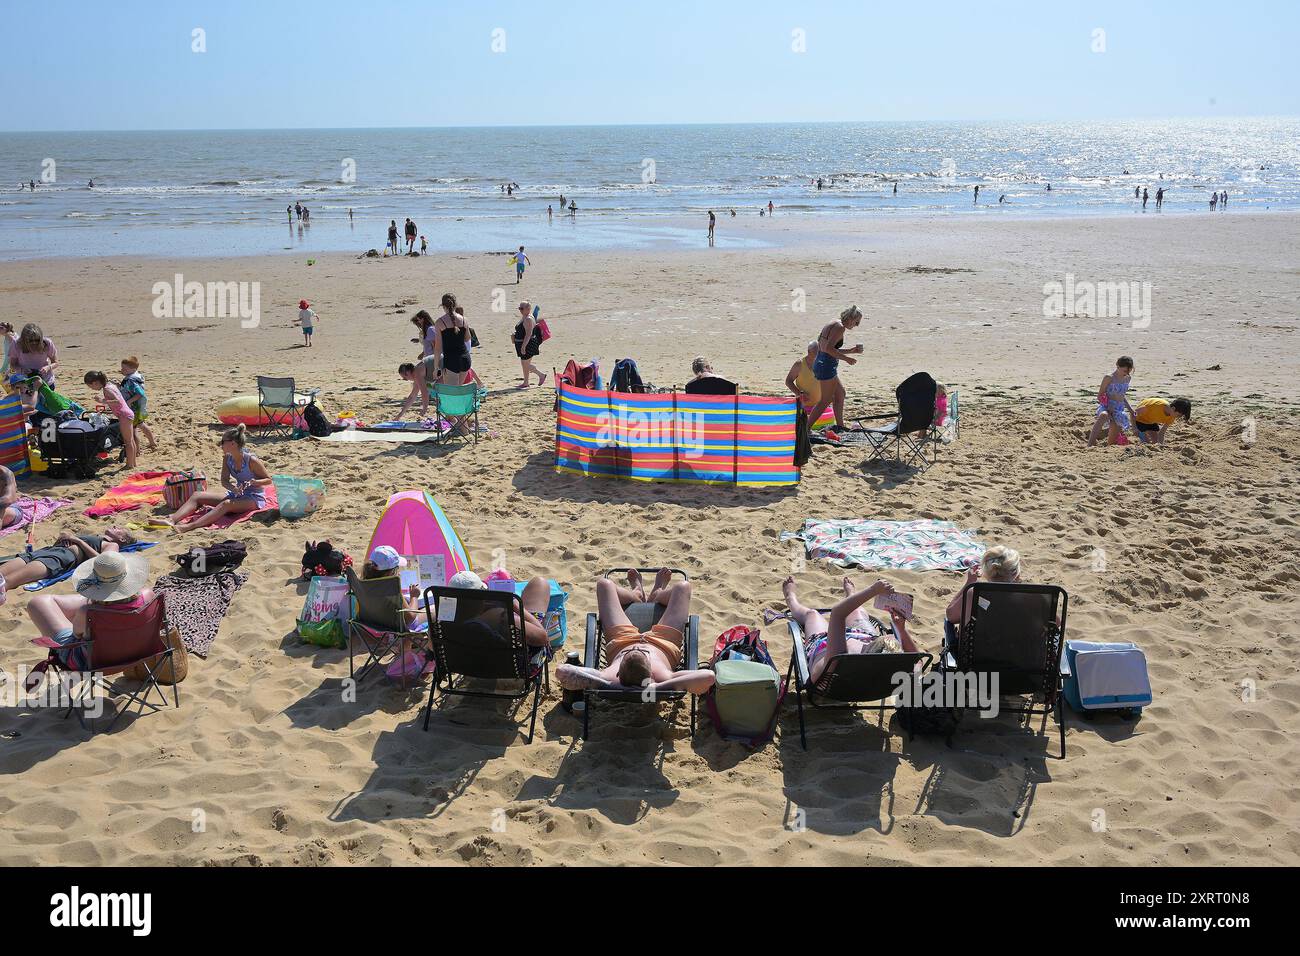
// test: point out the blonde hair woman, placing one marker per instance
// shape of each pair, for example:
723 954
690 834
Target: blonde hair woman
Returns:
999 564
826 369
244 477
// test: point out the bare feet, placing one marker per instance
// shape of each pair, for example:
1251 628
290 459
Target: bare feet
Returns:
662 578
635 584
847 584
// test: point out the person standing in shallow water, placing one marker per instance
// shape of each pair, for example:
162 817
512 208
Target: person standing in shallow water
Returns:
713 221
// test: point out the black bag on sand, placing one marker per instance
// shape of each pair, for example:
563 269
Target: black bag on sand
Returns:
212 557
316 422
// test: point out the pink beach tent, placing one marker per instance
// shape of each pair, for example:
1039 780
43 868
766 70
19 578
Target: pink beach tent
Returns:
414 524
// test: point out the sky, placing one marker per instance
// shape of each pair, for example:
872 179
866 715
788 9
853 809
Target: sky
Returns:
269 64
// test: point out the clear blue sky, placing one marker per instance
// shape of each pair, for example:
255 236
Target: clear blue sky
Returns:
127 64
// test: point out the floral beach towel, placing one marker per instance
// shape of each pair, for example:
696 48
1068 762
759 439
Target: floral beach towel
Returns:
921 545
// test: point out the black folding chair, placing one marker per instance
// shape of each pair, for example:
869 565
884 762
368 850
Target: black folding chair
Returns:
1015 633
380 624
278 402
480 634
911 433
850 681
711 385
643 615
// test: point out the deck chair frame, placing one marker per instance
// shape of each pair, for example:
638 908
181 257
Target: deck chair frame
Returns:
594 654
455 422
1047 697
280 418
905 425
529 665
382 641
878 664
153 663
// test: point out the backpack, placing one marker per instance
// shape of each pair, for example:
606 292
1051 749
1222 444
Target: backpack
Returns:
746 697
315 419
212 557
320 558
626 378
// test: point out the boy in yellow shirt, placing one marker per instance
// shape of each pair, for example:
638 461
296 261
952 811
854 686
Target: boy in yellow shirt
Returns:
1153 416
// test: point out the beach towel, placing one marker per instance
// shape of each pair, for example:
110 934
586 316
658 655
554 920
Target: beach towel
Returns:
196 606
356 435
272 504
34 510
47 582
142 488
921 545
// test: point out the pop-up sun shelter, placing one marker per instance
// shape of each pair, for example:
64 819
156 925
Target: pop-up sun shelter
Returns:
414 525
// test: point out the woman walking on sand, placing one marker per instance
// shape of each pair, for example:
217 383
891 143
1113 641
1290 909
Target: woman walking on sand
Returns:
826 368
528 343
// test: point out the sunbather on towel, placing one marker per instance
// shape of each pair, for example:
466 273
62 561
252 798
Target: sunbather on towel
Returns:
10 513
67 552
244 477
638 660
848 629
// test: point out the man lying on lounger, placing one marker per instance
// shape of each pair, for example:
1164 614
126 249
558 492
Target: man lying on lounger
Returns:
637 660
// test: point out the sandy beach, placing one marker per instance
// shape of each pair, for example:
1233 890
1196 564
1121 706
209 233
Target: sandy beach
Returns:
1200 540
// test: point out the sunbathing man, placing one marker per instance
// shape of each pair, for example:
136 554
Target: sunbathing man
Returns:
638 660
70 550
848 629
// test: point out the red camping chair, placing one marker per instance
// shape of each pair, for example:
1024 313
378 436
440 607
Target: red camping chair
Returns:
115 641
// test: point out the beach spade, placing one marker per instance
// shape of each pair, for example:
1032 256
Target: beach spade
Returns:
311 262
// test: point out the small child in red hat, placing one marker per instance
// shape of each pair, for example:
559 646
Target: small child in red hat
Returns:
307 319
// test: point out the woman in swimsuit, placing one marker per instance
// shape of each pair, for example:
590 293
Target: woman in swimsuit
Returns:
528 344
452 343
1113 408
848 629
803 383
830 352
637 659
244 477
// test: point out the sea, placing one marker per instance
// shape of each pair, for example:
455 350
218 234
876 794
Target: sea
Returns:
206 192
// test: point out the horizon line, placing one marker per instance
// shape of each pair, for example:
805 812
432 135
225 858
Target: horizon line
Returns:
496 126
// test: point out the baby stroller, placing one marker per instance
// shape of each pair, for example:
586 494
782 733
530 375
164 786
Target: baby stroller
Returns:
70 443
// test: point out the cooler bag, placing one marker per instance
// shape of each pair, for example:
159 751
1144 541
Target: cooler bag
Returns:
1106 677
179 487
745 699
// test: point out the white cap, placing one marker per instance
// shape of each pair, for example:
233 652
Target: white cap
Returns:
386 558
468 580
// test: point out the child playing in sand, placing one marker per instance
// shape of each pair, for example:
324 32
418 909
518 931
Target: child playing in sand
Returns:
119 409
307 319
132 389
1154 416
244 477
1113 409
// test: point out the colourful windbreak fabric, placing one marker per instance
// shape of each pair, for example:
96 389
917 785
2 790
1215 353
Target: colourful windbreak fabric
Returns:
921 545
671 436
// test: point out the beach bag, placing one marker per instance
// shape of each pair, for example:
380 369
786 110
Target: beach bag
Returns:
298 497
180 666
324 611
745 700
180 486
317 424
543 329
1106 677
212 557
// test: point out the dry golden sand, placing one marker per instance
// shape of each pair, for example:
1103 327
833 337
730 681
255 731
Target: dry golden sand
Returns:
1200 543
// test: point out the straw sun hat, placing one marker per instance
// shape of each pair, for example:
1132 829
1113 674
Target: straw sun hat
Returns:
112 576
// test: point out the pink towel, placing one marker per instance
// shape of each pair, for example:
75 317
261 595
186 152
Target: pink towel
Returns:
34 509
272 503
